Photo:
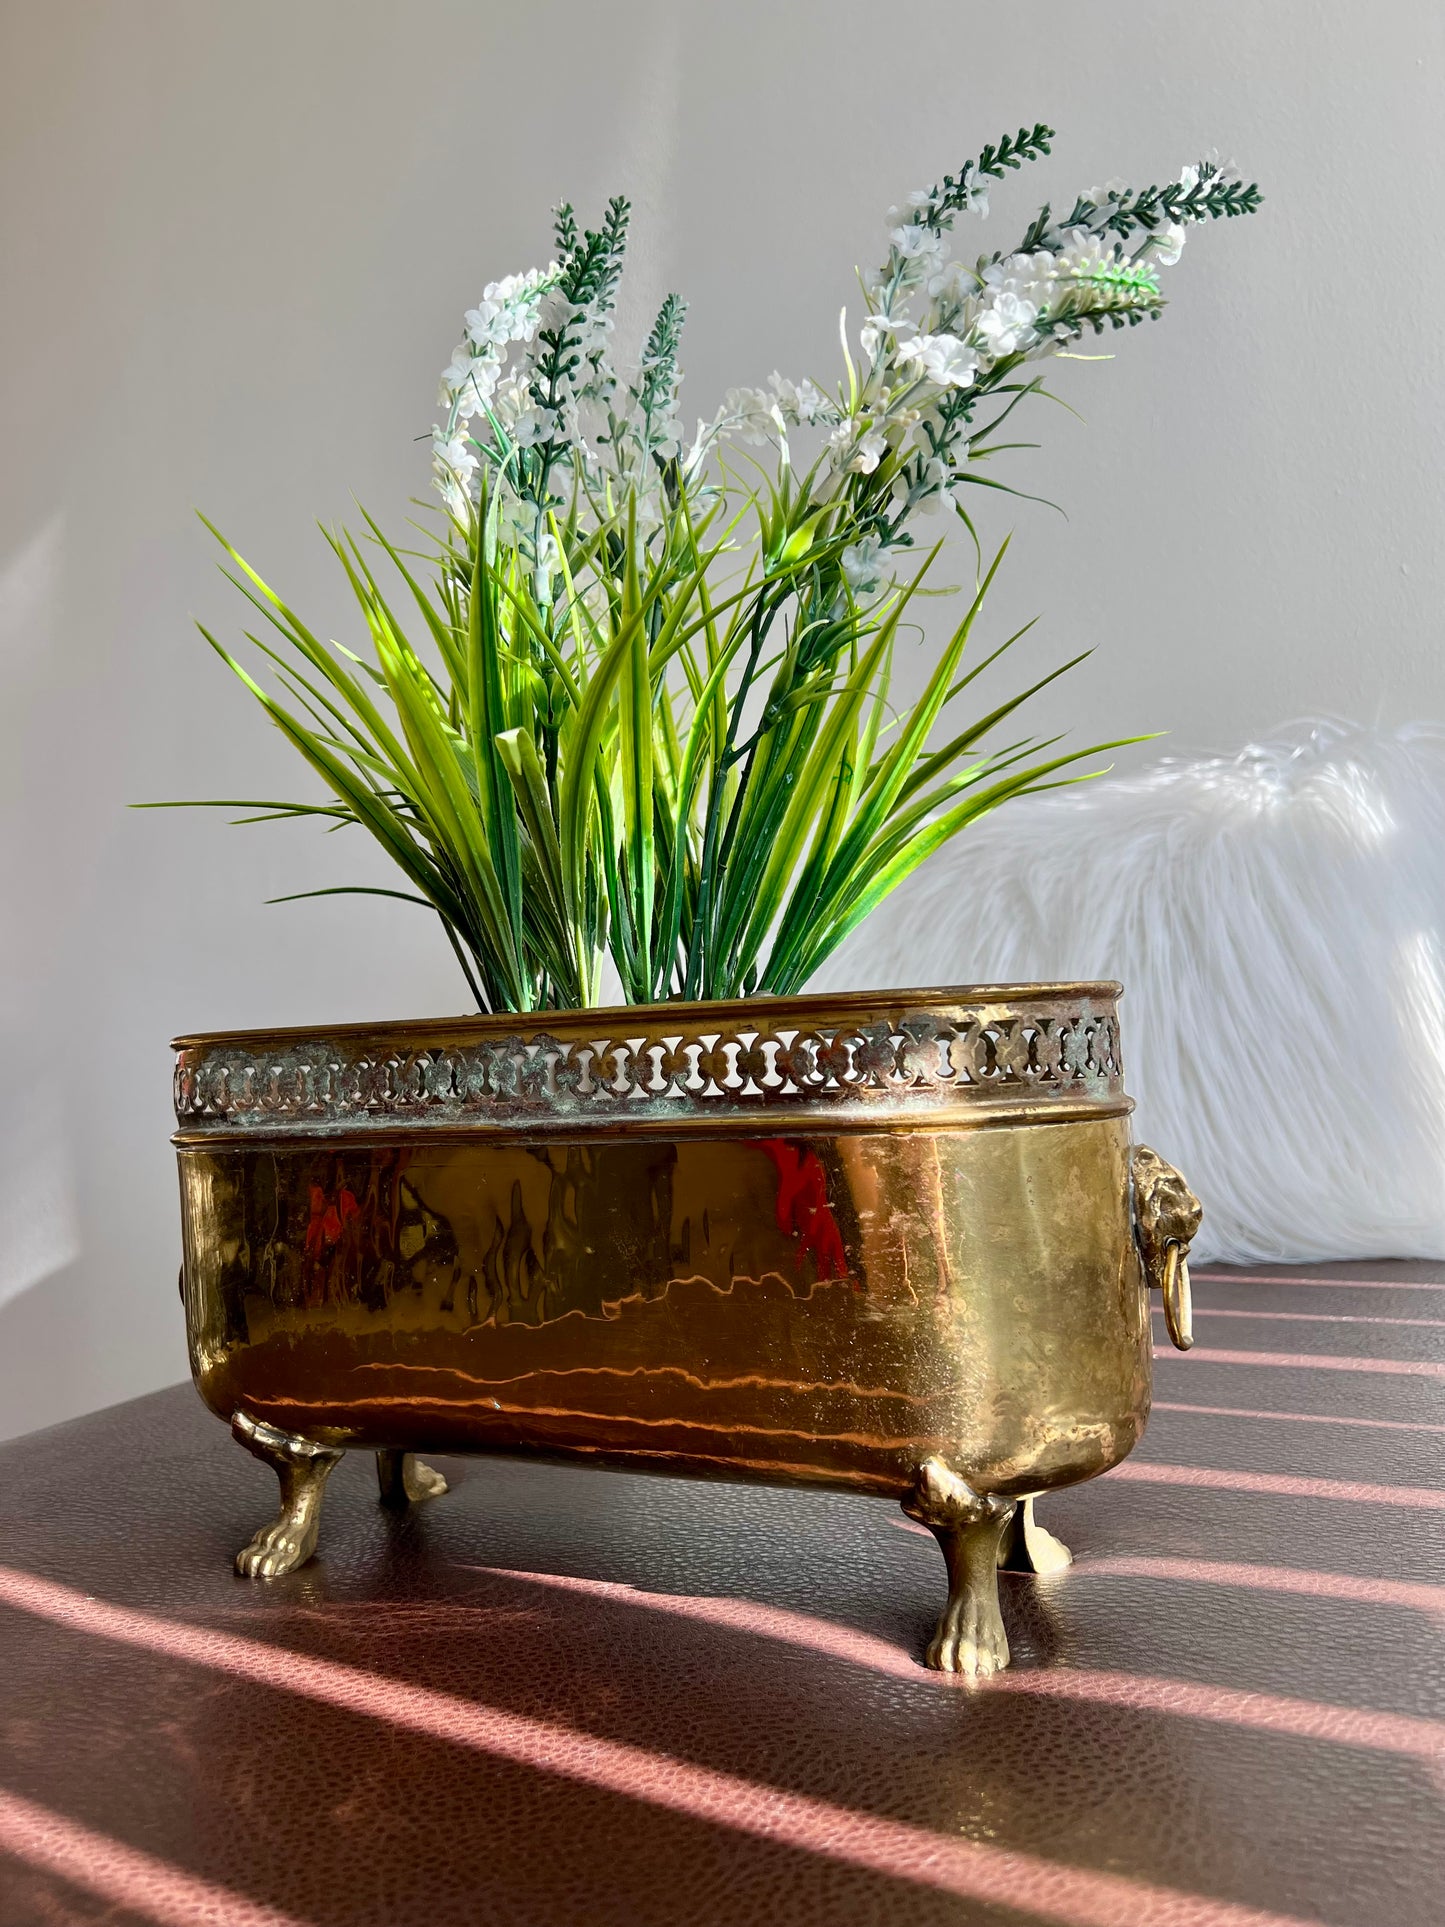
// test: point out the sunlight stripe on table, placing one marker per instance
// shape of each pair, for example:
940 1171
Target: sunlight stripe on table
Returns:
1193 1699
1284 1485
1303 1581
137 1883
895 1849
1306 1361
1299 1418
1322 1284
1308 1317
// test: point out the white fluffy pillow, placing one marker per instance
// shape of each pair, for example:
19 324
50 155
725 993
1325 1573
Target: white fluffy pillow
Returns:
1278 921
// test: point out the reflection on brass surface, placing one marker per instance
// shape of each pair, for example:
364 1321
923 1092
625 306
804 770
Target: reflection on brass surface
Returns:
892 1234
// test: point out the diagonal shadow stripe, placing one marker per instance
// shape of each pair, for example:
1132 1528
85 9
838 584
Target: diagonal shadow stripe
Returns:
1353 1726
122 1876
1298 1283
1304 1581
896 1849
1310 1317
1283 1484
1306 1361
1299 1418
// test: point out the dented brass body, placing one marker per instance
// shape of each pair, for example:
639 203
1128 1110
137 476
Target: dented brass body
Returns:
830 1241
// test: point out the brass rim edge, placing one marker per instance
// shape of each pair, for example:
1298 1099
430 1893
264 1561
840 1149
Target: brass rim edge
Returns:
935 1122
798 1060
813 1007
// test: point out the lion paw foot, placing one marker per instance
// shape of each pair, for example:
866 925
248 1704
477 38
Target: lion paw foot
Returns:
404 1480
277 1548
1046 1552
423 1481
970 1640
1029 1547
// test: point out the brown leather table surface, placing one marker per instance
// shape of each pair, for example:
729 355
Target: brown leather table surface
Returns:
559 1697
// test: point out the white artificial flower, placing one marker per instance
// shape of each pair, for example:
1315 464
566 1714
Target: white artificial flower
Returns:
922 485
837 447
1005 323
923 202
876 327
457 370
453 452
1165 248
1225 170
1086 257
702 441
1016 291
941 359
952 285
872 447
667 433
1090 259
858 454
508 311
467 382
536 424
488 324
454 463
512 396
754 413
920 251
862 564
800 401
912 239
555 312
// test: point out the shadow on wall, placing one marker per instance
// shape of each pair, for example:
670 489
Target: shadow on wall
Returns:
44 1332
41 1316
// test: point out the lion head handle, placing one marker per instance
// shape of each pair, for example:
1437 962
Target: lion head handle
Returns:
1166 1217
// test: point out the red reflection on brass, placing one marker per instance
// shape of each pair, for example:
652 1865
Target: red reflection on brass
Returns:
803 1209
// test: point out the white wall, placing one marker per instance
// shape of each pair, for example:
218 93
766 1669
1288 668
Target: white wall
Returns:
236 243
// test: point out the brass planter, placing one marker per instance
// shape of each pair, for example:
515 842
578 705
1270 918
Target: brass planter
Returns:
898 1244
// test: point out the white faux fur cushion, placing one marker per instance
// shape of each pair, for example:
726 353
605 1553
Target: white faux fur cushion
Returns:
1278 921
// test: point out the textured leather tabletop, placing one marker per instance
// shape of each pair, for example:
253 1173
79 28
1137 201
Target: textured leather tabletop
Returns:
561 1697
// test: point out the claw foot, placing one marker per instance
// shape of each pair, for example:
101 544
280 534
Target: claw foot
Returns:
278 1548
969 1526
405 1480
302 1468
970 1638
1029 1547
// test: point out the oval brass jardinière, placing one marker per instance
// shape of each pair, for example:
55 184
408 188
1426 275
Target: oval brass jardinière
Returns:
895 1243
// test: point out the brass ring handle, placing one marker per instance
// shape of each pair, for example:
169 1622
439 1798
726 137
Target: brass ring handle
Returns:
1178 1303
1166 1217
